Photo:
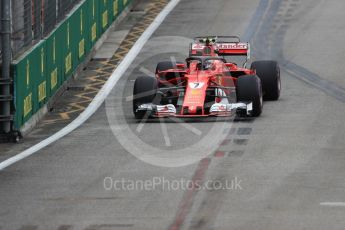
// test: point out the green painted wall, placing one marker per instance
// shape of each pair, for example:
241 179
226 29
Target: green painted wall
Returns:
40 72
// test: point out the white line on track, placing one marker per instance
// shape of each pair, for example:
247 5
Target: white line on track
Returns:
102 94
333 204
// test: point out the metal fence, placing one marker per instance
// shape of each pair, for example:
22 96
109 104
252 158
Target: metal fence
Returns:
34 19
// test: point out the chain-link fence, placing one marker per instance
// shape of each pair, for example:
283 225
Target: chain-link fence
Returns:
34 19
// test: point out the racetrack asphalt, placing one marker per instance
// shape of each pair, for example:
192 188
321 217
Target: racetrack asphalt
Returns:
279 169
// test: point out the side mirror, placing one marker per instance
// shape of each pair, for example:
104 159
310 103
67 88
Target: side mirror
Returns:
180 65
230 65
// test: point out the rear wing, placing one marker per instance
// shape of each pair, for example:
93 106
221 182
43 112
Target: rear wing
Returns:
221 45
232 46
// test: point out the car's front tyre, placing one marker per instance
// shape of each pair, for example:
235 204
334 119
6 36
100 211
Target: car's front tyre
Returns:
249 90
144 92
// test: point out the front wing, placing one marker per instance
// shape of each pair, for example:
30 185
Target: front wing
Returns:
217 109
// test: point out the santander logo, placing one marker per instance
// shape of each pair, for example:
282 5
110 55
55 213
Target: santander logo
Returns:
233 46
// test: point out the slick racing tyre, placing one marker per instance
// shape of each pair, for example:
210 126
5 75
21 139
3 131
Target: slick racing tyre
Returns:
249 90
269 73
165 65
144 92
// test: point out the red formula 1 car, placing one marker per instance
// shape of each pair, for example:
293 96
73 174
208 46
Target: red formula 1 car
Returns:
207 84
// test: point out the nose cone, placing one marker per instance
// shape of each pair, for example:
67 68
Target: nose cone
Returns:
192 110
195 94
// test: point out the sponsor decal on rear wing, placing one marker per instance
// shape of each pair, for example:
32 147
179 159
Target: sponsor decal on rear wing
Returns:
200 49
198 46
238 48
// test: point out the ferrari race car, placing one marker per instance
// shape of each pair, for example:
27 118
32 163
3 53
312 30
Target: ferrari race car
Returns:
208 84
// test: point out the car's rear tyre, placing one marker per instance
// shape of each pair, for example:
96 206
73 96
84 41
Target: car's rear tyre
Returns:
144 92
165 65
269 73
249 90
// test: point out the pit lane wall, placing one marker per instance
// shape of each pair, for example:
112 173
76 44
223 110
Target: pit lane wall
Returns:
40 72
